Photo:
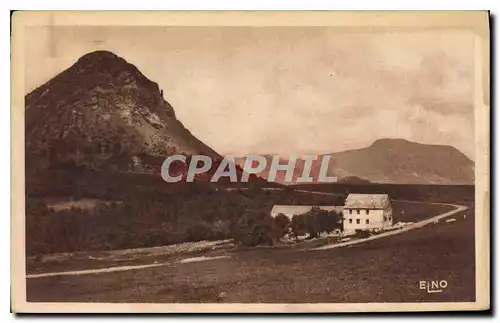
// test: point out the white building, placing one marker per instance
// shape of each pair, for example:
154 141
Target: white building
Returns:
367 212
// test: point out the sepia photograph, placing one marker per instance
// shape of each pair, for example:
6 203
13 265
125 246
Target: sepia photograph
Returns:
250 162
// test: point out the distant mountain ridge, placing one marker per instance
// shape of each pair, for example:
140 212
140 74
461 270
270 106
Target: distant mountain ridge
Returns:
395 161
404 162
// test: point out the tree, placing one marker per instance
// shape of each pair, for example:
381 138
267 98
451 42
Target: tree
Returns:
199 231
362 233
313 221
341 221
298 225
282 223
221 229
328 221
317 221
254 228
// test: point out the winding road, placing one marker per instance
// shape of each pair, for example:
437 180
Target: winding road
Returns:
413 226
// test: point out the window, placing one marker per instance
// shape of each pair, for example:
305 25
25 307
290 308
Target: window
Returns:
385 218
357 221
367 211
350 220
350 211
357 211
367 221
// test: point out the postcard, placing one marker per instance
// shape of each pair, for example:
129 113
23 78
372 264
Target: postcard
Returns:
250 162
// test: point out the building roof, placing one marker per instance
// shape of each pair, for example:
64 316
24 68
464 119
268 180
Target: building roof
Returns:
367 201
291 210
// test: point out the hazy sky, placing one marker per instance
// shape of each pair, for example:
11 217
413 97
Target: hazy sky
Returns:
289 90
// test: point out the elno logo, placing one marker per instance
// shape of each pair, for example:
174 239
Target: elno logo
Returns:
433 286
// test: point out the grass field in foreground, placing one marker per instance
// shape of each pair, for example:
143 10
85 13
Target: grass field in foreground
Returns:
384 270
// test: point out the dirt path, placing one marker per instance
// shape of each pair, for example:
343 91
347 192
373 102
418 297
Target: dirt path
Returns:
94 271
458 208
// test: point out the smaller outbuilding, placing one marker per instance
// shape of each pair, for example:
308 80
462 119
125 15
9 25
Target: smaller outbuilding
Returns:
291 210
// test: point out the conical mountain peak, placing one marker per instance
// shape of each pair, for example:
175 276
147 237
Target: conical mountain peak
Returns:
103 110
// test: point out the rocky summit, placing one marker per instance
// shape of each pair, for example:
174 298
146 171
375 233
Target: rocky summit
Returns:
103 113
